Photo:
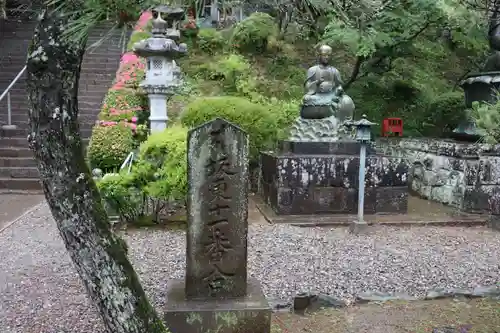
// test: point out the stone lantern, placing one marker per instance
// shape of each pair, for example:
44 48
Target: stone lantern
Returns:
162 73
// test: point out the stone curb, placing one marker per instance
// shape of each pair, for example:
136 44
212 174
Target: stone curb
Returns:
309 302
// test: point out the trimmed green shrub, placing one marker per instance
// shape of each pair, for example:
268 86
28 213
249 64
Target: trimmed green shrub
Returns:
165 154
109 146
255 119
252 34
210 40
123 104
120 196
158 177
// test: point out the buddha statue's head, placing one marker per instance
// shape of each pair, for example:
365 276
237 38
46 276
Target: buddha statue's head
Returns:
324 54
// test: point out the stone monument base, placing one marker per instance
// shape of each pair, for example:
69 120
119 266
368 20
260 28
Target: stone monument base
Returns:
459 174
322 178
249 314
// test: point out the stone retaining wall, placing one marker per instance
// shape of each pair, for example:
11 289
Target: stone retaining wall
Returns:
462 175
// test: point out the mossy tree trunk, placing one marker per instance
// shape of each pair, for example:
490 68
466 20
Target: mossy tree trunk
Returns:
100 256
3 9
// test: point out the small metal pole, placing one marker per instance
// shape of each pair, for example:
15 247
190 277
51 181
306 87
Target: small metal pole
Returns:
9 125
361 187
9 110
363 136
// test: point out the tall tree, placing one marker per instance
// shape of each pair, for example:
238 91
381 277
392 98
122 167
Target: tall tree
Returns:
99 255
378 32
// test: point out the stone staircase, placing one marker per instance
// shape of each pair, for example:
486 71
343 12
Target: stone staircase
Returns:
17 167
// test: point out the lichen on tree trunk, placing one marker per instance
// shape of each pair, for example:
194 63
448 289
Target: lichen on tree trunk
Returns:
53 70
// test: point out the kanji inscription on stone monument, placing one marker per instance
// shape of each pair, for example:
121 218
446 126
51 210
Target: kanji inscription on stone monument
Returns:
217 211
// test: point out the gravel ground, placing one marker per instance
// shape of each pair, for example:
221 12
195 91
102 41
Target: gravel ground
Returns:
40 291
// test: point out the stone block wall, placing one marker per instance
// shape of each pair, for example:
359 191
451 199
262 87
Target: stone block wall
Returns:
462 175
328 184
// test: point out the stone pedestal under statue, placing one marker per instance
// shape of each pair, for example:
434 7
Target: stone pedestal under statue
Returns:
322 178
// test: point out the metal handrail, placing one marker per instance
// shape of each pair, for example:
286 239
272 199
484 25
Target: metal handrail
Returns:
9 104
128 162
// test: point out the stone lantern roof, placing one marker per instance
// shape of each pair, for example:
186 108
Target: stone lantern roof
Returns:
162 43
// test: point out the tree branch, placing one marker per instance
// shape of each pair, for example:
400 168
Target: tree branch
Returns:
355 72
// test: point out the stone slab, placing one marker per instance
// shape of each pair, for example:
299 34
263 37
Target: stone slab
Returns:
248 314
417 218
217 230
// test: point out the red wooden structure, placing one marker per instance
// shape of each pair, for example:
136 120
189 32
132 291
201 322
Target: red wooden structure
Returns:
392 127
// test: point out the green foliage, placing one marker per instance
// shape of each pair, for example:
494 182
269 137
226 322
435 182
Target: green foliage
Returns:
487 118
233 72
252 34
395 32
120 197
123 104
137 36
158 178
89 13
284 78
163 156
443 114
210 40
255 119
397 25
109 146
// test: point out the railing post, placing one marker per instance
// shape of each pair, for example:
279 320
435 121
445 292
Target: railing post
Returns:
9 125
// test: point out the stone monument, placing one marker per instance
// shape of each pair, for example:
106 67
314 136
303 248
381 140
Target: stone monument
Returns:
316 170
325 106
217 296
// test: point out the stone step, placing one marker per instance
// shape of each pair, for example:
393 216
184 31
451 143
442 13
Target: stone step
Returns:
20 117
14 142
89 95
18 162
17 166
16 172
20 184
22 142
85 131
13 152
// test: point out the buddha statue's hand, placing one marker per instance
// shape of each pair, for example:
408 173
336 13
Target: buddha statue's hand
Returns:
326 87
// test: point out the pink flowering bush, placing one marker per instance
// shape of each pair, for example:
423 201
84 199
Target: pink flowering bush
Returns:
123 105
131 72
143 22
123 119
